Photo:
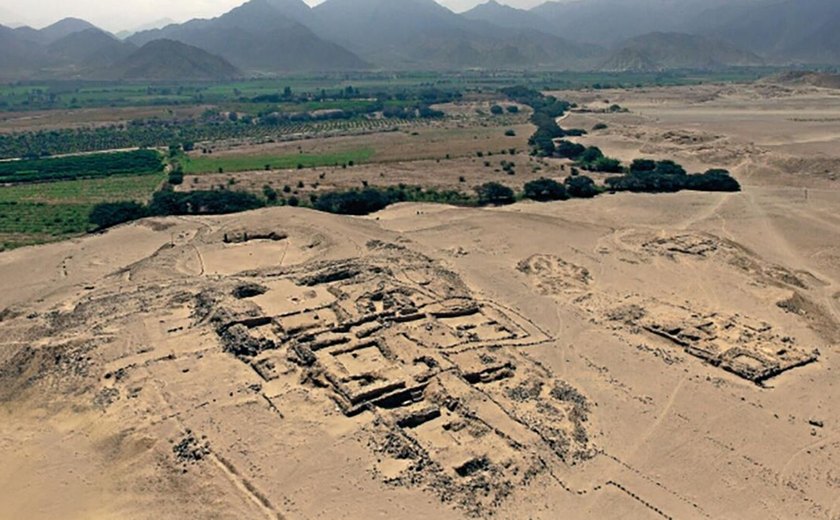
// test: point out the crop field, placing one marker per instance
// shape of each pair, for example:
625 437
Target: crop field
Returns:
156 134
81 166
84 191
31 223
241 163
36 213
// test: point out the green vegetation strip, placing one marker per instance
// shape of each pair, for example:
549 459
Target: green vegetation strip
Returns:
86 191
80 166
241 163
38 213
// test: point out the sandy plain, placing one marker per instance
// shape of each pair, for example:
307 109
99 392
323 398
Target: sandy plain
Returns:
631 356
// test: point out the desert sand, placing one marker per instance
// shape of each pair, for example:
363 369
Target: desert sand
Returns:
631 356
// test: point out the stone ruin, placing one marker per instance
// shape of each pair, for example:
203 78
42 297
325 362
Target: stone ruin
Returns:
453 402
748 348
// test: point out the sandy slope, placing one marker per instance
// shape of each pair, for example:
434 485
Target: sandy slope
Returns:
617 357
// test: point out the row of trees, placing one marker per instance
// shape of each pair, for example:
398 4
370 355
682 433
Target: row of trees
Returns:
169 202
349 202
154 133
546 111
426 95
643 176
646 175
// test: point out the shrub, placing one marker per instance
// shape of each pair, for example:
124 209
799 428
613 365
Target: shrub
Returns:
606 165
513 109
642 166
109 214
354 202
569 150
599 126
510 133
176 177
496 110
168 202
495 194
713 180
652 181
270 193
581 187
669 168
544 190
591 154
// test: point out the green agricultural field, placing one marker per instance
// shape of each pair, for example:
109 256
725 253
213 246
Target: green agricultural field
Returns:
38 213
80 166
87 191
242 163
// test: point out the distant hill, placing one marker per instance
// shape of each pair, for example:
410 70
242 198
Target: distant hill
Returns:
258 37
424 34
62 28
502 15
89 49
168 60
156 24
661 51
296 10
780 28
821 45
283 36
20 57
810 78
608 22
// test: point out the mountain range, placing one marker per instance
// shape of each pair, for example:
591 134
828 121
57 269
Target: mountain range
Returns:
264 37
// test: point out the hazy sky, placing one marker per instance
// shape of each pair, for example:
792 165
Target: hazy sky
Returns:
116 15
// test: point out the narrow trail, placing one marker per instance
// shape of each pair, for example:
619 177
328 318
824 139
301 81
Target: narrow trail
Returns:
242 485
804 449
245 488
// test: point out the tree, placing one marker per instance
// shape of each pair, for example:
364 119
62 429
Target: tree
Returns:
669 168
642 166
176 176
168 202
493 193
496 110
591 154
569 150
606 165
713 180
581 187
354 202
544 190
109 214
270 193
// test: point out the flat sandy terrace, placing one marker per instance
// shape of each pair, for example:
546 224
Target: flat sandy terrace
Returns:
780 130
